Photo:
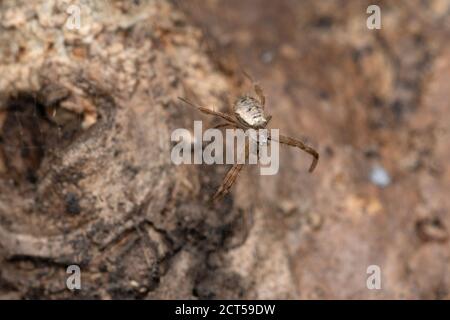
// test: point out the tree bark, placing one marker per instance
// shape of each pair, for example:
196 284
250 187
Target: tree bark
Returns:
85 170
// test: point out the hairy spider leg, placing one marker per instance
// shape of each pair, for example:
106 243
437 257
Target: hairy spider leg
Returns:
297 143
222 115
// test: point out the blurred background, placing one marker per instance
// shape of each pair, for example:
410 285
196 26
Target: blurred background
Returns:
376 105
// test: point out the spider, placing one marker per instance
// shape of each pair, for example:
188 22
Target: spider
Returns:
249 114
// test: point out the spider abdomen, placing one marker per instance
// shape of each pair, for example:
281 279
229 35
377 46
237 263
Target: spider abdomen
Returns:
249 111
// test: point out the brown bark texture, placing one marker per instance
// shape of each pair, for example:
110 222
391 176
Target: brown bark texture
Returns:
86 116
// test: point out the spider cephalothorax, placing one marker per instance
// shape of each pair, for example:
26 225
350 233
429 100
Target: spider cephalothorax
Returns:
249 114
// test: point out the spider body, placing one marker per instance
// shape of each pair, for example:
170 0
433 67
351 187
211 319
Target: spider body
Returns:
250 112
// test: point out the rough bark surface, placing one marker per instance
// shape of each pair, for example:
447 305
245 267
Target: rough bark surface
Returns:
85 170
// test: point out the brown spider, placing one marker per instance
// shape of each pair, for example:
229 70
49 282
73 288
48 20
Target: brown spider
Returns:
249 114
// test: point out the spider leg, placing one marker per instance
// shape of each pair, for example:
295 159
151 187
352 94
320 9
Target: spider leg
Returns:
260 93
228 182
230 178
222 115
258 90
297 143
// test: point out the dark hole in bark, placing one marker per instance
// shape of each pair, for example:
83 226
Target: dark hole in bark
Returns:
30 131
